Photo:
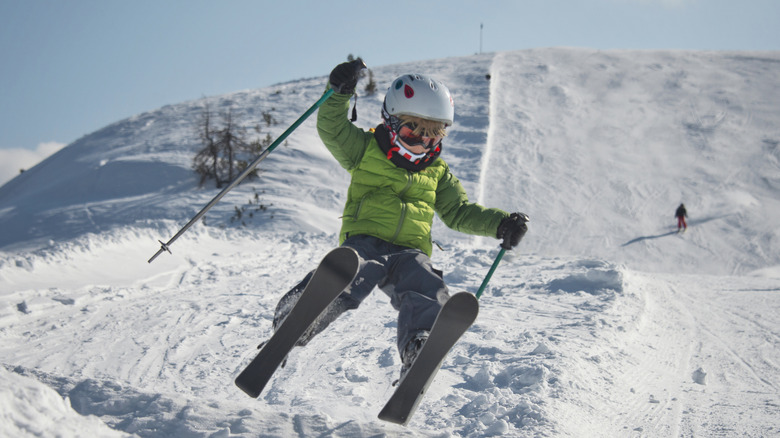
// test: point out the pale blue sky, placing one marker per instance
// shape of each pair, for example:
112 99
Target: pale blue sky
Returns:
68 68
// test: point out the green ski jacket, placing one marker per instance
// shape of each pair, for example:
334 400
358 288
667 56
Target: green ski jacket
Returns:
392 203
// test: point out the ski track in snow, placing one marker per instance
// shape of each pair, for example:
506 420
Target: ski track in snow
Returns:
603 323
552 334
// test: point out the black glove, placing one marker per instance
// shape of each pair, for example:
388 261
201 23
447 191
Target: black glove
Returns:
344 78
512 230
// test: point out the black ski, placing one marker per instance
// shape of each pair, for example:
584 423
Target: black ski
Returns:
455 317
333 275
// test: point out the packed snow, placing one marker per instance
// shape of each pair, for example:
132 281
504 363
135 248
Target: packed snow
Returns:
604 321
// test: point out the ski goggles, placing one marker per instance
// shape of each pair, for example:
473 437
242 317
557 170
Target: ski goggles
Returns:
406 134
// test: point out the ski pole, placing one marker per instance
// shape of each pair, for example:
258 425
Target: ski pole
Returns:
490 272
166 246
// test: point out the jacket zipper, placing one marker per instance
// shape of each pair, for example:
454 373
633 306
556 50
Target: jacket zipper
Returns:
403 205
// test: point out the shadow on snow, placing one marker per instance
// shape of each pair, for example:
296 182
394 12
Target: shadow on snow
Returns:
673 232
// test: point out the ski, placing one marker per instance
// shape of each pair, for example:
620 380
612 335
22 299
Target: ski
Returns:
455 317
332 276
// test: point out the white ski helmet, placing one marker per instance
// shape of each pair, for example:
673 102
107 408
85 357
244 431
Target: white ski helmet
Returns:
420 96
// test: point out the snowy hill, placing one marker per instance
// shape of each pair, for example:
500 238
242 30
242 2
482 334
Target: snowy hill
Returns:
605 322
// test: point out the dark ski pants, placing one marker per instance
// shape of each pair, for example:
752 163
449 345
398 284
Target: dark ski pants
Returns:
416 290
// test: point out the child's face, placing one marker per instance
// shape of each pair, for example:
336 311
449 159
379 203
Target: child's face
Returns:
417 144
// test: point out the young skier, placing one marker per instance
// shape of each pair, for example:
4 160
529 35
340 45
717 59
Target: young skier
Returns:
398 183
680 214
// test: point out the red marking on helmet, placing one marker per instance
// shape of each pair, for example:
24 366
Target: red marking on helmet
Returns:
408 92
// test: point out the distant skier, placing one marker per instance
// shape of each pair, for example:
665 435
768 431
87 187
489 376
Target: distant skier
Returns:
681 214
398 182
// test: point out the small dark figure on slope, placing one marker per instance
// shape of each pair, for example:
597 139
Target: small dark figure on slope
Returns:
681 214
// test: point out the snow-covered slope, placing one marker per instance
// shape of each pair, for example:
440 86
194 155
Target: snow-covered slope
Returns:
604 323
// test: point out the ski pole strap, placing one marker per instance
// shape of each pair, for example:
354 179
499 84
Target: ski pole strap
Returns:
165 246
490 273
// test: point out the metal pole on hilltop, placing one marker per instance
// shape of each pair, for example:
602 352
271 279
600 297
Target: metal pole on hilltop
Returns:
480 38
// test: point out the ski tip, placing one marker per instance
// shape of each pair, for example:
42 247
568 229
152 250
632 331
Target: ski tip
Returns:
401 421
344 251
342 259
465 298
248 389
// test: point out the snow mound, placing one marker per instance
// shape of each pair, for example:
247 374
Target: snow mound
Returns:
28 408
591 277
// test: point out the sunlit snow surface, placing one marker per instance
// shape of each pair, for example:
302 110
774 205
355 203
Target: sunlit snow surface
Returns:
604 322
